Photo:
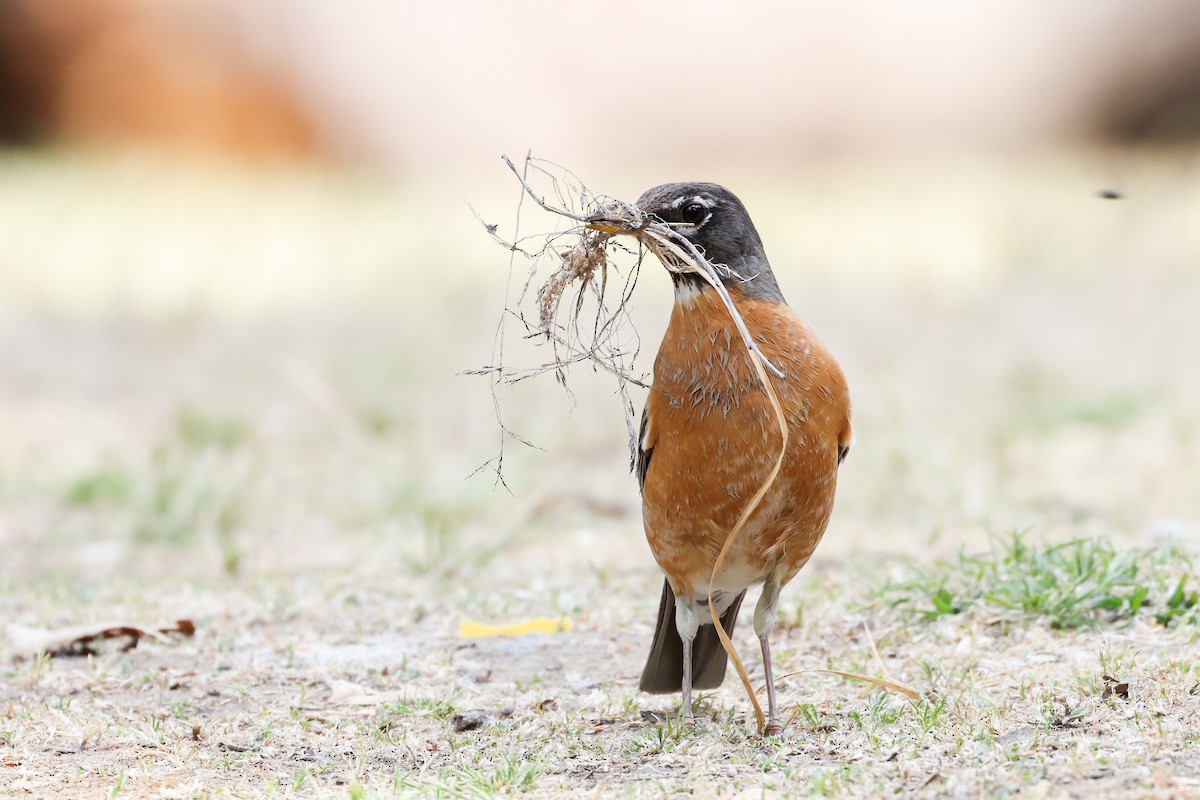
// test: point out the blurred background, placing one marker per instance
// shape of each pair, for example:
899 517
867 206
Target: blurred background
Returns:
240 270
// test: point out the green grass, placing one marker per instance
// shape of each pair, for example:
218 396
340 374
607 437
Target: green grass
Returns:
194 485
199 429
105 487
1082 582
439 707
1043 402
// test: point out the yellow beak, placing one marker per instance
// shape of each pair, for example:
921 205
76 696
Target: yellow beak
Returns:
599 222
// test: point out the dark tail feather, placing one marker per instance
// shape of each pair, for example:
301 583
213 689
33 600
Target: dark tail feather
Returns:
664 668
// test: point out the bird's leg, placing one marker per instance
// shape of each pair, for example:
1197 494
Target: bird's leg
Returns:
687 624
773 727
687 681
764 622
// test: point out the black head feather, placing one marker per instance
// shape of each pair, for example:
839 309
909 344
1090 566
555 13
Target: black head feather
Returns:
714 220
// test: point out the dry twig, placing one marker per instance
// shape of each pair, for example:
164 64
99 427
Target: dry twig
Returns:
571 309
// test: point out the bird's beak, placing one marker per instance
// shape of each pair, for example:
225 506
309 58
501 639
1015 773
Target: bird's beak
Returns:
603 223
616 218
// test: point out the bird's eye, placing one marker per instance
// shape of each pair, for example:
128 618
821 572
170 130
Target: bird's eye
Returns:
694 213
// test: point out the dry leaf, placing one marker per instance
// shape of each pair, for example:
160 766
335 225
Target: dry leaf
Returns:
83 640
1114 688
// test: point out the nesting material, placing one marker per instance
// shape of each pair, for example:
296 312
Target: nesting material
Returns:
579 264
601 224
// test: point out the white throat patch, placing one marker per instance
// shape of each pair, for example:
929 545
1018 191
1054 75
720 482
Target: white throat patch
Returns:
686 292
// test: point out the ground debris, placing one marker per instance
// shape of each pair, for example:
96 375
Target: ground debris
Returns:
84 640
1114 688
348 693
1071 716
471 720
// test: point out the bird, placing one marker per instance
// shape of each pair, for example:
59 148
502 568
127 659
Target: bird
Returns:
709 439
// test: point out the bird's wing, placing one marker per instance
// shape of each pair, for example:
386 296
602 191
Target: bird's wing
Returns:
644 448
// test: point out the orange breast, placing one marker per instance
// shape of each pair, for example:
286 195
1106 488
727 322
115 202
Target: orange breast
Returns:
715 439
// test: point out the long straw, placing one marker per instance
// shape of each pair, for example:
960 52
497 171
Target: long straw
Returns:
751 506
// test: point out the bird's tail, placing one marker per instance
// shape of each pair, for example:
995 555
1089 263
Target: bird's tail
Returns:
664 667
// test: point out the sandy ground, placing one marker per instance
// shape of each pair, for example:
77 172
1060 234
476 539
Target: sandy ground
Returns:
236 399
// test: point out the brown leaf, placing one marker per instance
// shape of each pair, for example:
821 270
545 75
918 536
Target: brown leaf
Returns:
1114 688
83 640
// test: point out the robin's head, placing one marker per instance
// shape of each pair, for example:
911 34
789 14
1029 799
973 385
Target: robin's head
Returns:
713 219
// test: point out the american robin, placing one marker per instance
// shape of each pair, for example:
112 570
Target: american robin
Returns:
710 438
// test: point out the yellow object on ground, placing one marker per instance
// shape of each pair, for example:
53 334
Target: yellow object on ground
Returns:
477 630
